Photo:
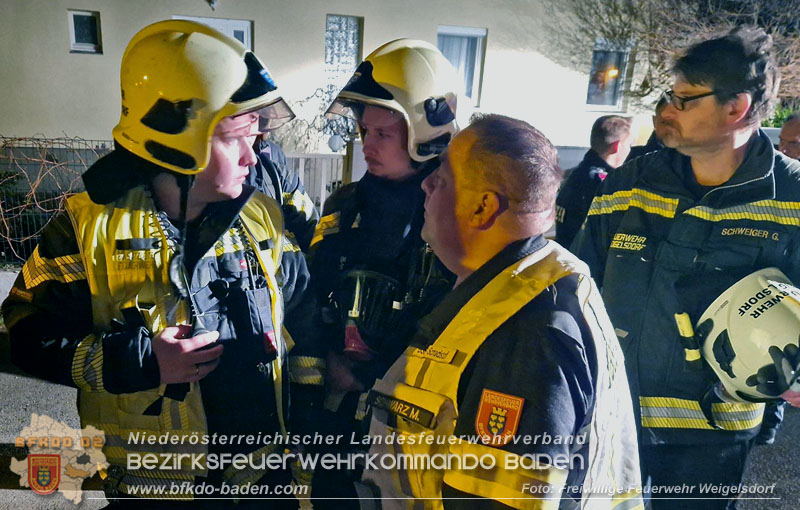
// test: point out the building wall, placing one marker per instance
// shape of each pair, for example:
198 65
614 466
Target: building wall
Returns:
49 91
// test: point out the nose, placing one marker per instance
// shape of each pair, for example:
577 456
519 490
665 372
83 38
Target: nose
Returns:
246 155
427 184
368 143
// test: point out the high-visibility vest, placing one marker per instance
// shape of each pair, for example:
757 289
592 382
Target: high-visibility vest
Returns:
418 398
138 277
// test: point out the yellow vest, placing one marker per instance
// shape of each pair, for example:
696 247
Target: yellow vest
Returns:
417 399
119 279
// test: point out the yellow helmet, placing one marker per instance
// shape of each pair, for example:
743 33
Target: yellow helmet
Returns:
179 79
413 78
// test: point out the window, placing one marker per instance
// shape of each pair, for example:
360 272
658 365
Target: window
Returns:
239 29
342 48
84 32
607 76
463 47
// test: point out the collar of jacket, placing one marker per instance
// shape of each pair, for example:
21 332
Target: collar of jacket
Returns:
594 164
754 179
433 324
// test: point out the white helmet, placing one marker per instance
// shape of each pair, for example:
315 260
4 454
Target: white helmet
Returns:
413 78
744 328
179 79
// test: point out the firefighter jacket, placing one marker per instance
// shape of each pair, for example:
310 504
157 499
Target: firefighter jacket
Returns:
658 244
576 194
97 286
272 177
523 372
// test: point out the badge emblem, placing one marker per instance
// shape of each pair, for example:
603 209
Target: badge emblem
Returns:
44 473
498 417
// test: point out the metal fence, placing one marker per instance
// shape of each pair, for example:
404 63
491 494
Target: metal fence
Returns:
37 174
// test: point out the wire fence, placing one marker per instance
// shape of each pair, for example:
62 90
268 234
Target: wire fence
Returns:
38 174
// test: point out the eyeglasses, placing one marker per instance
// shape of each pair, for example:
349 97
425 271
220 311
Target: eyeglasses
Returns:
680 102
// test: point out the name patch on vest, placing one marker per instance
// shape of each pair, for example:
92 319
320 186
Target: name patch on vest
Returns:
498 417
439 354
402 408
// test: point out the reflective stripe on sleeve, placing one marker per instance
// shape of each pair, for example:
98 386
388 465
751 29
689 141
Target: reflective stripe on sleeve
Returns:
38 269
300 201
638 198
327 225
676 413
87 364
307 370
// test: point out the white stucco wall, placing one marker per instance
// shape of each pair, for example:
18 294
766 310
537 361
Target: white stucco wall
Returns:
49 91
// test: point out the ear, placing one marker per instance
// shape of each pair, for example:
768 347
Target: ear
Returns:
739 107
614 147
485 210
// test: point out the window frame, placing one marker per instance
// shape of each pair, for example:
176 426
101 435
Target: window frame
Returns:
81 47
225 25
480 34
622 80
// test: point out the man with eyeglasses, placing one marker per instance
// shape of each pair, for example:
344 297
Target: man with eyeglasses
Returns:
668 232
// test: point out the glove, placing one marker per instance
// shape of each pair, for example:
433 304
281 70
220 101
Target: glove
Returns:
783 376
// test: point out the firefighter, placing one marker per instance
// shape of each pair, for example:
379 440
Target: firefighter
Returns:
518 366
372 274
156 292
671 230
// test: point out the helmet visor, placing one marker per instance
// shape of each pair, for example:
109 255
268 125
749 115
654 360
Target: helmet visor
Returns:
274 115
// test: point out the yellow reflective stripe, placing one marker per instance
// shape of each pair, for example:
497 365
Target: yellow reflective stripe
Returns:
306 370
327 225
87 364
289 243
65 269
518 487
631 500
230 242
300 201
784 213
636 197
667 412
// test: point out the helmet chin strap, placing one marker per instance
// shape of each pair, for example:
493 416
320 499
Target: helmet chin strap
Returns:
177 266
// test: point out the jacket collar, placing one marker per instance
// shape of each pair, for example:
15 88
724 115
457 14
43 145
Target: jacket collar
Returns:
754 179
433 324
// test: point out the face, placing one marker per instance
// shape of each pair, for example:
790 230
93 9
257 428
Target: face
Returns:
790 140
385 137
231 155
700 127
446 212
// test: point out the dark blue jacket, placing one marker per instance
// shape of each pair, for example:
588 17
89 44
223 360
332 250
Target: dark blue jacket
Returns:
658 244
576 194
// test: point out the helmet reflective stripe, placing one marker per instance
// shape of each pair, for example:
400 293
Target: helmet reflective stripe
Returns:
413 78
179 79
760 311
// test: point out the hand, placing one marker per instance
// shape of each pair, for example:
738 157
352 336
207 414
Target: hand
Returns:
793 397
339 375
179 357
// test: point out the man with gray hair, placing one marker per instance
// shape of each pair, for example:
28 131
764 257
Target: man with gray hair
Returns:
610 145
521 348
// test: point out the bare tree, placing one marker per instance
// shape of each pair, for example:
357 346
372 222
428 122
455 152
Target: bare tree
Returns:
653 31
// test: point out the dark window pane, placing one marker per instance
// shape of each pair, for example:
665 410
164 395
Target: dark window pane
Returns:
239 35
85 29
